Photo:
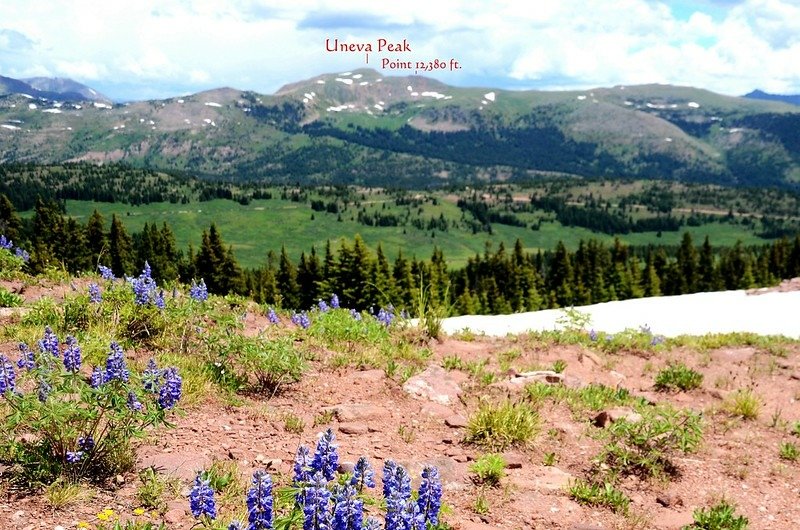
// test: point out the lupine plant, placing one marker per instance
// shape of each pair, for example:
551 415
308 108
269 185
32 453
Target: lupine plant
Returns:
199 291
63 423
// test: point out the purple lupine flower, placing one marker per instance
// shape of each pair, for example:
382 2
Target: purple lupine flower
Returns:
144 287
348 511
98 377
272 316
656 340
401 510
386 316
259 502
645 330
335 301
592 335
26 361
106 273
95 296
158 299
151 377
134 403
170 392
372 524
72 355
43 390
323 306
609 338
302 465
302 320
6 243
363 475
49 342
8 377
326 457
199 291
355 314
389 477
235 525
115 365
86 443
429 500
316 504
22 254
73 457
404 315
201 499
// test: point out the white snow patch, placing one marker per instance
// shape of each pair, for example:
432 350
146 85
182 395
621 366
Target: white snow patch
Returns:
52 111
93 92
489 96
57 104
448 97
415 94
629 103
320 81
186 120
436 95
122 126
78 107
213 123
735 130
716 118
370 112
14 121
26 96
101 105
771 313
338 108
363 83
308 95
141 120
180 101
346 73
116 128
9 127
381 103
667 139
377 106
408 88
305 100
206 120
358 76
212 104
484 102
581 98
69 128
379 80
345 81
32 106
693 105
151 122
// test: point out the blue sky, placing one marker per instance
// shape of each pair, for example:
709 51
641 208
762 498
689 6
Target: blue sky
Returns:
151 49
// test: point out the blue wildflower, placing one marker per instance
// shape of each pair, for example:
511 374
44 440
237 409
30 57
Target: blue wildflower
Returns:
401 510
302 465
645 330
372 524
144 287
259 502
316 504
115 365
429 500
73 457
201 499
170 392
134 403
302 320
8 377
235 525
656 340
355 314
49 342
158 299
386 316
22 254
95 296
326 457
98 377
363 475
26 360
72 355
43 390
323 306
6 243
151 377
389 477
199 291
348 512
335 301
272 316
609 338
592 335
106 273
86 443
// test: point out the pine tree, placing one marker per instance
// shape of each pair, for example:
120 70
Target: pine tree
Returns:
559 278
10 223
120 248
96 238
708 277
688 265
309 278
287 281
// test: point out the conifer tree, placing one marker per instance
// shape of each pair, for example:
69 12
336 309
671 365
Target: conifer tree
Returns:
10 223
120 248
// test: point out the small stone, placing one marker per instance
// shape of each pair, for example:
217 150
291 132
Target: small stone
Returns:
607 417
58 527
348 412
273 463
591 356
18 514
434 384
261 458
120 480
796 376
461 458
447 441
346 467
175 512
353 428
514 460
456 421
669 499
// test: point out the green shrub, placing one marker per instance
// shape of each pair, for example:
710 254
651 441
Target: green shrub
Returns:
9 299
489 469
645 448
719 517
678 376
743 403
501 425
594 494
789 451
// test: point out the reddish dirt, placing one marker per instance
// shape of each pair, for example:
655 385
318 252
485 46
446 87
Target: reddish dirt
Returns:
377 418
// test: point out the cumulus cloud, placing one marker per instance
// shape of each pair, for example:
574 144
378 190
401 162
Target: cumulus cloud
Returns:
730 46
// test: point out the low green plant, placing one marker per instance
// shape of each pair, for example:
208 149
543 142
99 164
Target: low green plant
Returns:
796 428
559 366
596 494
452 362
481 506
592 397
61 494
550 459
743 403
678 376
430 310
9 299
489 469
323 418
406 433
150 492
789 451
133 525
721 516
646 447
292 423
64 424
498 426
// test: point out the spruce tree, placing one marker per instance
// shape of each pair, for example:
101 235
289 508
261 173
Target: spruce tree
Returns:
120 248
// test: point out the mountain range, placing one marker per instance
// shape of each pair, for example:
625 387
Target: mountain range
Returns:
362 127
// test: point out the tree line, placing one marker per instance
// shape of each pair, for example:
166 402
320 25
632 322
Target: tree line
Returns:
499 280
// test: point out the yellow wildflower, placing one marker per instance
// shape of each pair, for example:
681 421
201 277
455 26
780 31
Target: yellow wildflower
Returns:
82 525
138 511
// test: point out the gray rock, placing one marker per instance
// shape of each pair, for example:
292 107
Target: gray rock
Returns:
353 428
434 384
348 412
346 467
184 466
668 500
607 417
456 421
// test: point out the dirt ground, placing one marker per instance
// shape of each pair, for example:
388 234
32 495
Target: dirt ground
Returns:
377 417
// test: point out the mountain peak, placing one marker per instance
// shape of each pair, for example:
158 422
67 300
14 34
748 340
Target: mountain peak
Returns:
792 99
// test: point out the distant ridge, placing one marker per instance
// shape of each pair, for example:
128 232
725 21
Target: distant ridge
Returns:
792 99
57 88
